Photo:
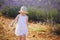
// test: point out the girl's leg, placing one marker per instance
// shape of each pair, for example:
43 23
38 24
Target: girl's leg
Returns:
23 37
20 37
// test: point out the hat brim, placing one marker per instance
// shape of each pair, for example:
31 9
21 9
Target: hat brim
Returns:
23 11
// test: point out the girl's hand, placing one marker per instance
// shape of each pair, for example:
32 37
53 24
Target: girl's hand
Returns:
11 25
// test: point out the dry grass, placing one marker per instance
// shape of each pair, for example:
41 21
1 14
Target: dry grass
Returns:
37 31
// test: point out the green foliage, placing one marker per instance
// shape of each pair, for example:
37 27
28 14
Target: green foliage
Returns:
52 13
34 14
40 15
10 11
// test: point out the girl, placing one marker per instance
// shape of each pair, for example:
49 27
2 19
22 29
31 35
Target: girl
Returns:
22 23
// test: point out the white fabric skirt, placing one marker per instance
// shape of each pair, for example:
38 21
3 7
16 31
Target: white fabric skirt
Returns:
21 30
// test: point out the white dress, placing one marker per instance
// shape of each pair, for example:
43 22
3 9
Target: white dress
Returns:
21 27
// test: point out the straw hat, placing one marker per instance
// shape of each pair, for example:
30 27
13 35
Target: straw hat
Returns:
23 9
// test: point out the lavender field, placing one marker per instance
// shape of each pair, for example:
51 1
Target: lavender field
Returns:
36 3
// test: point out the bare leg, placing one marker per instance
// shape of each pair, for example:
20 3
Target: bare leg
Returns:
23 37
20 37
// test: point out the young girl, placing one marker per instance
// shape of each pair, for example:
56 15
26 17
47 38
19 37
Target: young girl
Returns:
22 24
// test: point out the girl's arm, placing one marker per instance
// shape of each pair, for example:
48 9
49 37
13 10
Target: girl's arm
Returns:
15 20
27 21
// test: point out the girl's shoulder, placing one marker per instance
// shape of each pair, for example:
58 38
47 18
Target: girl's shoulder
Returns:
18 15
26 16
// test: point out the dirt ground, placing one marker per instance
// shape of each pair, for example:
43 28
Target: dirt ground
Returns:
7 32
